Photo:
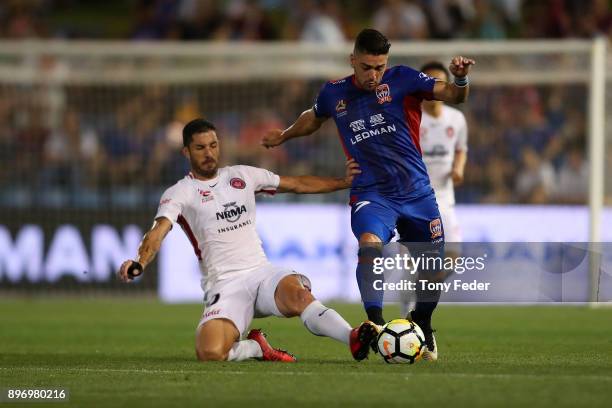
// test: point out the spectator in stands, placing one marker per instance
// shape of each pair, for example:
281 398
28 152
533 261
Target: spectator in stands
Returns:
573 178
20 20
401 20
322 22
246 21
154 19
200 20
603 17
499 181
536 179
8 143
488 22
166 163
251 152
120 151
448 18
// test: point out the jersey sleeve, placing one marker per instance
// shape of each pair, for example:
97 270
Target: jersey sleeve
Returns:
322 102
462 134
171 204
264 181
417 83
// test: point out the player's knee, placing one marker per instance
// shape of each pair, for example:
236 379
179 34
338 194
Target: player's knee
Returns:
211 353
368 252
367 238
297 301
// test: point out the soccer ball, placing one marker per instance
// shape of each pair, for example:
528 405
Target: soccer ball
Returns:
401 341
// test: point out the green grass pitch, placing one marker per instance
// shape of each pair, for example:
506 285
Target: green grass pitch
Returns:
139 353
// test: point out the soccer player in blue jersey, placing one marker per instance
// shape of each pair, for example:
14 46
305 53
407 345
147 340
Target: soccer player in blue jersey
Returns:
377 111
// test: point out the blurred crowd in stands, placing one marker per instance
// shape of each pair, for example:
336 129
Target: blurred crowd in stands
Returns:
323 21
120 147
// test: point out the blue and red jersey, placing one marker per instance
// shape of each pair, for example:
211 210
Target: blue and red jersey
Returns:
380 130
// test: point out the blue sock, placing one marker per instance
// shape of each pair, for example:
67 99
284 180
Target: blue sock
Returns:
372 298
427 300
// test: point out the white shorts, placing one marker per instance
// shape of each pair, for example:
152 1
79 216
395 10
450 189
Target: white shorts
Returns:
241 298
452 230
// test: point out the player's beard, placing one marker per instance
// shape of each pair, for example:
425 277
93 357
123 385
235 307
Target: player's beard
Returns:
370 86
207 169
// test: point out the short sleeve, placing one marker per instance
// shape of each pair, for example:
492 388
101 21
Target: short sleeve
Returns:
264 181
417 83
462 134
171 204
321 105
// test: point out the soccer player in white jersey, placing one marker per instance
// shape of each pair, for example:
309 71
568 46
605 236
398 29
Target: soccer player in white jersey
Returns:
444 143
216 209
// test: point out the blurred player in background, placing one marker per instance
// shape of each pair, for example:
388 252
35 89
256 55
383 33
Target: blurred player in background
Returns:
216 209
444 137
377 112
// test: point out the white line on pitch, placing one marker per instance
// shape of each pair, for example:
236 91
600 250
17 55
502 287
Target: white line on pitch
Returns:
307 373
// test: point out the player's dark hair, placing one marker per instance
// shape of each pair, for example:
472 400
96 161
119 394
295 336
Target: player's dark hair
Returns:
198 125
372 42
437 65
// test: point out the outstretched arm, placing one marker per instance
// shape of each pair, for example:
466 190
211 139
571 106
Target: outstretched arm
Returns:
458 170
306 124
149 246
314 184
458 90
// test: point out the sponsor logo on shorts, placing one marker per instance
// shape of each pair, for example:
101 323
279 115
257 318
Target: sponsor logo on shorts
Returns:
435 227
360 205
238 183
383 93
210 313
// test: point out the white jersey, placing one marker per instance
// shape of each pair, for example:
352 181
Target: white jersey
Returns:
218 217
441 137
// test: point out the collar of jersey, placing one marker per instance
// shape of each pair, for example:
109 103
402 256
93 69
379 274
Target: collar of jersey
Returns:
211 182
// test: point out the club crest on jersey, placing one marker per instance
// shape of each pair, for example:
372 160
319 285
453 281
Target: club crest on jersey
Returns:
383 93
340 106
206 195
231 212
450 132
435 227
238 183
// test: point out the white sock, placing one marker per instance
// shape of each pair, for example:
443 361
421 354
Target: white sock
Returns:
243 350
323 321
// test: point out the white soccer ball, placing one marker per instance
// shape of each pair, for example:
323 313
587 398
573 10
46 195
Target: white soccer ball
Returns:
401 342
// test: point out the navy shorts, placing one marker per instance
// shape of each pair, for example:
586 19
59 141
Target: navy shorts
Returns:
416 220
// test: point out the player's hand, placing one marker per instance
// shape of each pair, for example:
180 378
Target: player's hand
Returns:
457 177
272 138
352 169
460 66
128 270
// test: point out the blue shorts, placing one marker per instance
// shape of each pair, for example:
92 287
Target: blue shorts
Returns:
416 220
